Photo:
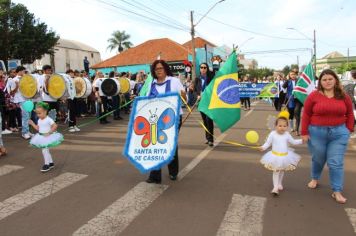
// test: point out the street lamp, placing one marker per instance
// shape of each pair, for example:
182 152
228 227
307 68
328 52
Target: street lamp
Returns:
244 42
192 32
311 39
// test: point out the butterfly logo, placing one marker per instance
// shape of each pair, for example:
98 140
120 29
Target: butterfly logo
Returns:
153 128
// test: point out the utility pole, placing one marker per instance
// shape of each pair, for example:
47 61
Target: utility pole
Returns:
314 40
298 62
348 56
192 32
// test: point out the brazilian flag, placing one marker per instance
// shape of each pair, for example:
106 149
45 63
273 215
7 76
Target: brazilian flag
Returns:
221 100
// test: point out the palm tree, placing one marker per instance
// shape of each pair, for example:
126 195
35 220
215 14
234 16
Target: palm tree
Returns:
119 40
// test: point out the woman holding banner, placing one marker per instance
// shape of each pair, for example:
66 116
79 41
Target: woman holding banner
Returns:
164 82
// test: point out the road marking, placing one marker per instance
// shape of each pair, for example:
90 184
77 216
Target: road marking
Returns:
7 169
244 216
351 212
248 113
188 168
115 218
32 195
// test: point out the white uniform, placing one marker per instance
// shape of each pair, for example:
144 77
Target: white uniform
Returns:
281 157
18 98
176 86
97 84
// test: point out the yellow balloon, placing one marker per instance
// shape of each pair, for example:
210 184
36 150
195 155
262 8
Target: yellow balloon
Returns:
252 136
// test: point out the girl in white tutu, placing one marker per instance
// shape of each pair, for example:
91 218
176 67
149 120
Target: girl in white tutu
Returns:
47 136
281 158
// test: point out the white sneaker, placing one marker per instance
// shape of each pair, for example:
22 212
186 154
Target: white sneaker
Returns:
6 131
76 128
353 136
31 134
26 136
71 129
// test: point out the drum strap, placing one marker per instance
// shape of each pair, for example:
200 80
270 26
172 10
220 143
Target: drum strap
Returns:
154 91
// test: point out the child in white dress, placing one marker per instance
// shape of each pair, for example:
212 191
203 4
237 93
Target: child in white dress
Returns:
281 158
47 136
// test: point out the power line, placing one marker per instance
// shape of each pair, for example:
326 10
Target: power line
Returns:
154 12
140 15
235 27
278 51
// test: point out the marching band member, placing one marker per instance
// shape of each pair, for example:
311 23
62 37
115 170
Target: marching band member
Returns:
53 103
101 98
19 100
72 104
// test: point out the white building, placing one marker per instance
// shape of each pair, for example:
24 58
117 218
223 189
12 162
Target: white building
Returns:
69 54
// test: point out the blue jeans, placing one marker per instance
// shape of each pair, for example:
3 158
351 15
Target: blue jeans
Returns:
1 142
25 118
328 144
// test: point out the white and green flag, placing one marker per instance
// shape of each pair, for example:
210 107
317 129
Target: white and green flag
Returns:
305 84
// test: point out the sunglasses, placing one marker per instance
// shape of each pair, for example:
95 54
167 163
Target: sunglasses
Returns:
203 67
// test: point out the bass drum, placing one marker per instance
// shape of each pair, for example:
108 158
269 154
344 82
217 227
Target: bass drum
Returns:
124 85
70 88
110 87
28 86
83 87
57 86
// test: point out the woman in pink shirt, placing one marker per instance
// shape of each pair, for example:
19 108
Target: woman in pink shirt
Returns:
327 122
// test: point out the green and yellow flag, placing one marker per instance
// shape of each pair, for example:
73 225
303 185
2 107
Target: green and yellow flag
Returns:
269 91
221 100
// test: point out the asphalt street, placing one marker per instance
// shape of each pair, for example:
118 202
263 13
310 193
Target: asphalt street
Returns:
94 190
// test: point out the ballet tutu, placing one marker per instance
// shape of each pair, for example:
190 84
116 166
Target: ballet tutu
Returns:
288 161
41 141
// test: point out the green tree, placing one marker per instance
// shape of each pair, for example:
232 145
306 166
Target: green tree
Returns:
241 70
294 66
22 35
286 70
119 40
345 67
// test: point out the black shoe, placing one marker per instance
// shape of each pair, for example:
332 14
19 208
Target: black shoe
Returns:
151 181
211 144
51 165
45 168
107 122
120 118
173 177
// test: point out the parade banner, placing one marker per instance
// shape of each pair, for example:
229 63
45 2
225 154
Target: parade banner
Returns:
263 90
153 131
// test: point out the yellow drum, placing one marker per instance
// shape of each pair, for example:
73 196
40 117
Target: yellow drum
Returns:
124 85
83 87
56 86
28 86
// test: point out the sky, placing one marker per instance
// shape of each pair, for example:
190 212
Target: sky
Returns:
254 25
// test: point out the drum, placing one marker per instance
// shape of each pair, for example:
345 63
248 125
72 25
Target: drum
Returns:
57 86
124 85
110 87
83 87
28 86
70 88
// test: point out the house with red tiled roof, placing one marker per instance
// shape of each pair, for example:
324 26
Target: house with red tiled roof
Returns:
199 43
141 57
